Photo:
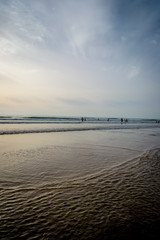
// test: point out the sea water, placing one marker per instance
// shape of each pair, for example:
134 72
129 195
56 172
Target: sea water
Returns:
20 125
68 179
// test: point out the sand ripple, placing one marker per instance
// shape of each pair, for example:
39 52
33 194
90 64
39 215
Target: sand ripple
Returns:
120 203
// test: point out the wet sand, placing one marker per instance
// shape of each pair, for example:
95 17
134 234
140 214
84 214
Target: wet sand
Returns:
80 185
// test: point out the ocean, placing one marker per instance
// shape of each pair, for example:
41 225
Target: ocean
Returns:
64 178
36 124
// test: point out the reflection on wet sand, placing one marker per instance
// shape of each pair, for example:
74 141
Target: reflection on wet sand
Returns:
46 195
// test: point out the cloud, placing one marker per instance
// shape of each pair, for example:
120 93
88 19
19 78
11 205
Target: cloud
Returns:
4 79
7 47
76 101
79 54
24 23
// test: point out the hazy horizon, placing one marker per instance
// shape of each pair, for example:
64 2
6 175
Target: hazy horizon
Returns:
93 58
17 116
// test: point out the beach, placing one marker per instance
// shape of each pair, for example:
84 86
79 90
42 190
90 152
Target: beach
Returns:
93 184
79 120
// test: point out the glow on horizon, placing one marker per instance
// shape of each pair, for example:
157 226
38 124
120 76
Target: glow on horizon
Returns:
73 58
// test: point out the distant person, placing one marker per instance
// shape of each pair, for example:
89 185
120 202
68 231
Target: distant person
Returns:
126 120
121 120
82 119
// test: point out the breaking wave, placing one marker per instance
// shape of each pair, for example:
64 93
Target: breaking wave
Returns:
37 128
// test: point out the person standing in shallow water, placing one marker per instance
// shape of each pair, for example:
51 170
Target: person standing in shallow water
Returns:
82 119
121 120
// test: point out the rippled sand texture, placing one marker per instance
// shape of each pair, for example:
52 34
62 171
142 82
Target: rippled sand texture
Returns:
119 203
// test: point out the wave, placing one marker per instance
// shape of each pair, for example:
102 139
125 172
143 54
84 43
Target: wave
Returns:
38 122
81 127
29 119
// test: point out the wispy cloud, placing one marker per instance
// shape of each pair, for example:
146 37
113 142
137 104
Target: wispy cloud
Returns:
80 54
76 102
4 79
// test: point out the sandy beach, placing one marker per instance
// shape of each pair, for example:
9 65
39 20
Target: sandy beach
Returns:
80 185
79 120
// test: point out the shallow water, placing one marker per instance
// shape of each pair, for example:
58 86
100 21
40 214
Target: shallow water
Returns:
25 124
80 185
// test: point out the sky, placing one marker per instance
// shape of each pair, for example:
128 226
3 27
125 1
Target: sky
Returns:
80 58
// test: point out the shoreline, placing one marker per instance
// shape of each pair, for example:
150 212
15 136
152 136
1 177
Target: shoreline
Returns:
80 185
10 129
